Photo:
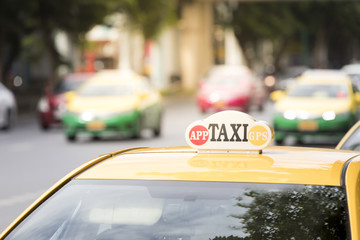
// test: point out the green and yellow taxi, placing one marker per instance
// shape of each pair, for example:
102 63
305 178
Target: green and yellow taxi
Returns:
113 102
227 184
318 103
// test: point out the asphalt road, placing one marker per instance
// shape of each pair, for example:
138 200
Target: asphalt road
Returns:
32 160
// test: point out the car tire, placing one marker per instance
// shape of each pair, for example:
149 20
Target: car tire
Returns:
299 141
157 129
203 110
71 137
137 134
157 132
8 120
95 138
45 126
279 141
261 107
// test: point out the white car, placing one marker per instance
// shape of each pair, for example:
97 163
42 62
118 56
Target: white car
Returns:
8 107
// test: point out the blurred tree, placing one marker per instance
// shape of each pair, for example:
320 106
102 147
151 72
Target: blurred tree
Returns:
254 22
151 17
334 27
12 27
74 17
327 26
148 18
22 18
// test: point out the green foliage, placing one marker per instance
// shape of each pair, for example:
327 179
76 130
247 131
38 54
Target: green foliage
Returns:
260 20
151 17
285 22
12 26
24 20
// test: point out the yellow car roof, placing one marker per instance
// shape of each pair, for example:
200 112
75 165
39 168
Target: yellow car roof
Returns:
324 77
115 76
290 165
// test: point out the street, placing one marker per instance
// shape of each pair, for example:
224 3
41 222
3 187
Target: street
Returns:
33 160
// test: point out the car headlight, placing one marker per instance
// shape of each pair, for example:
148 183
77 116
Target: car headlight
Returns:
292 114
329 115
87 116
289 114
214 97
43 105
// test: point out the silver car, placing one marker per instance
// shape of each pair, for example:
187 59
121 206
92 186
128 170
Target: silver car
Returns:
8 108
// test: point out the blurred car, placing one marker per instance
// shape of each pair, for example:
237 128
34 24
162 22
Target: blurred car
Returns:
230 87
51 106
351 140
318 103
8 108
113 102
285 78
233 190
353 70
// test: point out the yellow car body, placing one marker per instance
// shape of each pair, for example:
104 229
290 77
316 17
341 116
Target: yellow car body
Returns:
163 209
113 102
321 112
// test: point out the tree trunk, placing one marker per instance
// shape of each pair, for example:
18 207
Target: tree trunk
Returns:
53 54
279 54
242 44
320 52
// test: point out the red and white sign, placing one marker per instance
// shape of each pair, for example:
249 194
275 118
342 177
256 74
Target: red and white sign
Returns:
229 130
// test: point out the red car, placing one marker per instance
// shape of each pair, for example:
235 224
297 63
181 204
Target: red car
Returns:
230 87
52 105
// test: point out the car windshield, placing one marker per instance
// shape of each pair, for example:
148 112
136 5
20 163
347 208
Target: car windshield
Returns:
122 209
96 90
321 90
227 79
66 86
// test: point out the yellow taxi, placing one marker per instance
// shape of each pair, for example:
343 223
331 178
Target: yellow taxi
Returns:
351 140
227 184
317 103
113 102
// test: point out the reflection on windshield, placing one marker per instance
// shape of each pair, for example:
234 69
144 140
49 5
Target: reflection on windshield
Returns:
312 90
93 90
188 210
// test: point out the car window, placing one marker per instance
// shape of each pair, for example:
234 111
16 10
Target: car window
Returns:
66 86
97 90
313 90
353 142
89 209
227 79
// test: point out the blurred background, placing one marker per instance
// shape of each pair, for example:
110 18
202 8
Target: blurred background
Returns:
201 56
173 42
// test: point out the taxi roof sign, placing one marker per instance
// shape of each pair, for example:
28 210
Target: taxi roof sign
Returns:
229 130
